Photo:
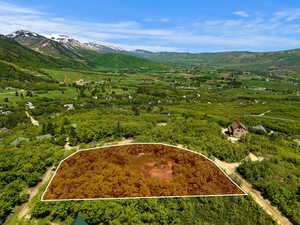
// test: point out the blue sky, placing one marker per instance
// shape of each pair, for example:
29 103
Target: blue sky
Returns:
162 25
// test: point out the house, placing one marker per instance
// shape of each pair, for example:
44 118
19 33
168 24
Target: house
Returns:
29 105
237 129
69 106
81 82
6 113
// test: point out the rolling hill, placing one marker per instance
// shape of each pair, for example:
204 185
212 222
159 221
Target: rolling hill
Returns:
114 60
63 51
265 61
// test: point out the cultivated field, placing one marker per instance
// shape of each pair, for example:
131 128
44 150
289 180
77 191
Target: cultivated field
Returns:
138 170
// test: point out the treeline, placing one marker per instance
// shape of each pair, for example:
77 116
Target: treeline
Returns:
278 181
177 211
21 168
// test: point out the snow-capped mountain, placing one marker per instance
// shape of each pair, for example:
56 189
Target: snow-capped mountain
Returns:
104 47
68 42
23 33
60 45
97 46
42 44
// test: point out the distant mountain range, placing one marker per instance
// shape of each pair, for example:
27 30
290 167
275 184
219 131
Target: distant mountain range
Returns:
93 54
23 53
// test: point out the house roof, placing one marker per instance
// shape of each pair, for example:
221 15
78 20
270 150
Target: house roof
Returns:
237 124
79 221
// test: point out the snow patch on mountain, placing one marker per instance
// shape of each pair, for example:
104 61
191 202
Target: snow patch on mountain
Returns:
23 33
98 46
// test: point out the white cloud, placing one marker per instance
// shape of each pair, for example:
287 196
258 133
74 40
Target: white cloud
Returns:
241 13
160 20
280 30
10 8
287 15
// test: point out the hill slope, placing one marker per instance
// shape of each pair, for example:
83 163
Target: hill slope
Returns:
65 51
289 60
13 52
10 71
114 60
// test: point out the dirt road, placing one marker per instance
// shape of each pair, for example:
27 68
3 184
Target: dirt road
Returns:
32 192
33 121
230 168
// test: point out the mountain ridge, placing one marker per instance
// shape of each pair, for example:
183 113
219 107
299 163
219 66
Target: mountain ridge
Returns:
67 47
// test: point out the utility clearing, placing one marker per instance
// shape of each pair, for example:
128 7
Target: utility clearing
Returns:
138 171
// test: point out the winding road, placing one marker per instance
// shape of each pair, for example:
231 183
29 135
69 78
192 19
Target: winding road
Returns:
33 192
33 121
230 169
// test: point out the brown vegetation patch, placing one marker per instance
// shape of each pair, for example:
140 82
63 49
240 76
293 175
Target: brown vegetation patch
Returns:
137 170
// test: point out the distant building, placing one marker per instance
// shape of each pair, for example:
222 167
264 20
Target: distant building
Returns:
6 113
237 129
81 82
29 105
69 106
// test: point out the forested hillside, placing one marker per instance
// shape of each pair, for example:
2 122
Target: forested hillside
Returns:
285 60
13 52
114 60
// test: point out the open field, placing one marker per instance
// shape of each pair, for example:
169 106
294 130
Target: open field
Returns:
138 170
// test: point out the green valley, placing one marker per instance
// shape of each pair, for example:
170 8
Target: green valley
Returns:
53 104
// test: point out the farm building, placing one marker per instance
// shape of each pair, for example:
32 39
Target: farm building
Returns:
237 129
